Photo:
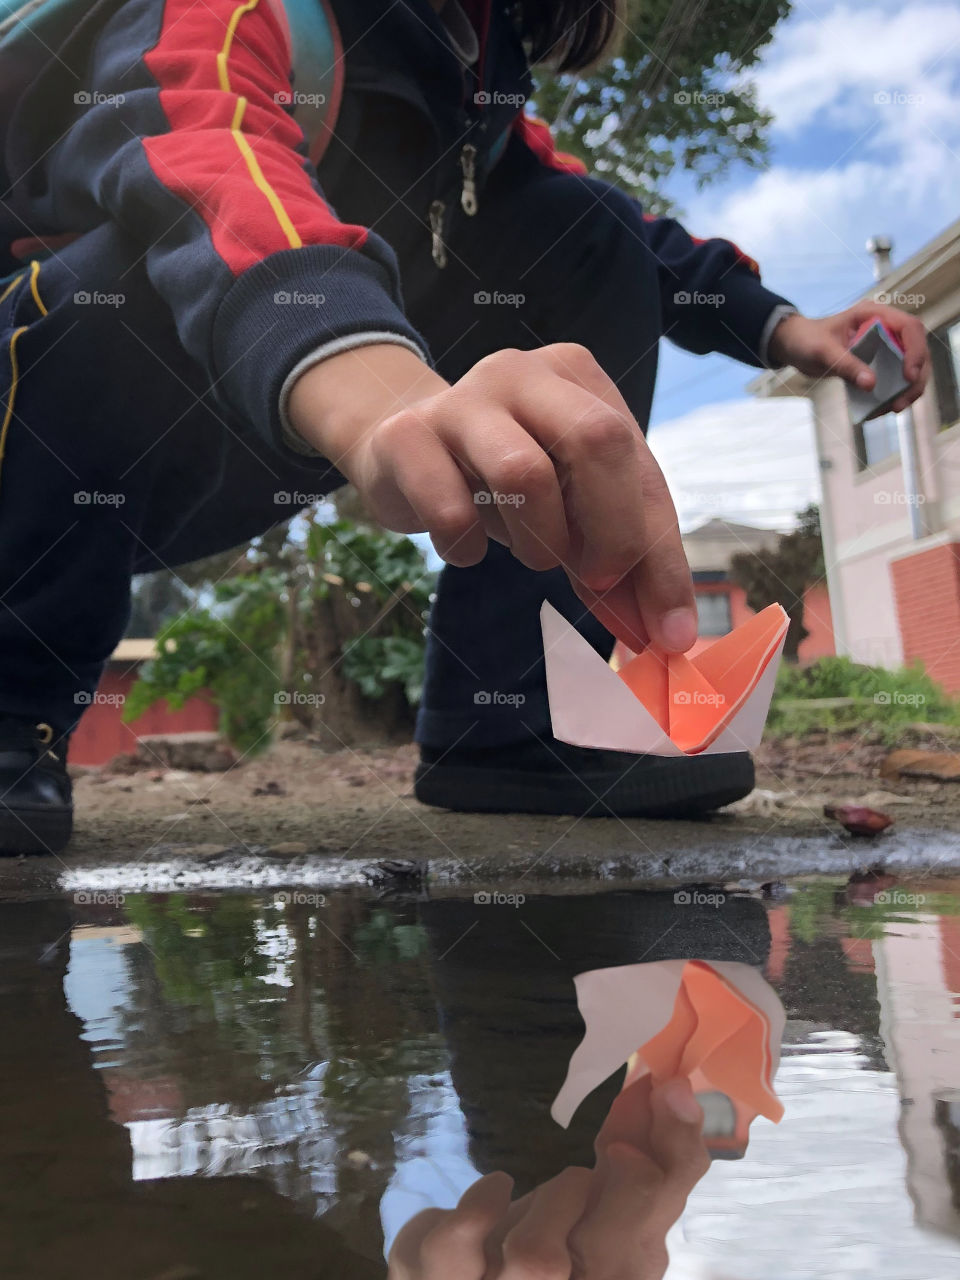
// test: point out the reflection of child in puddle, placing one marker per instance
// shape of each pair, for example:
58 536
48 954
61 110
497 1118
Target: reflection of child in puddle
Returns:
702 1043
611 1220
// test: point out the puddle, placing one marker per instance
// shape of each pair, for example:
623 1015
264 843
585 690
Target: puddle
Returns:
230 1085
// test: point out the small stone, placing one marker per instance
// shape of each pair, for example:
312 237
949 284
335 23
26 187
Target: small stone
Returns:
858 819
174 817
358 1160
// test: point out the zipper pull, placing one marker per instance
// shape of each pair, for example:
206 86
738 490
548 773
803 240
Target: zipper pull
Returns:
468 163
437 210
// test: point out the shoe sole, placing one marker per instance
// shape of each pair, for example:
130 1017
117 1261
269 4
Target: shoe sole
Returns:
667 789
45 830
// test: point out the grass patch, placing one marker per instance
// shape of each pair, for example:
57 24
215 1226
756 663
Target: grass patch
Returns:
836 694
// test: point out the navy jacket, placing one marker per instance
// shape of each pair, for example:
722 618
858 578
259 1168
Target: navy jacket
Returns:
206 128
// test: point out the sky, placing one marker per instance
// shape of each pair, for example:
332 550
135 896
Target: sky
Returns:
866 140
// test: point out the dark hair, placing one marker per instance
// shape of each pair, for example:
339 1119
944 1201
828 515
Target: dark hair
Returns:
570 34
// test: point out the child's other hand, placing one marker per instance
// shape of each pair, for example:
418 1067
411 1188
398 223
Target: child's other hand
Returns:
536 449
821 348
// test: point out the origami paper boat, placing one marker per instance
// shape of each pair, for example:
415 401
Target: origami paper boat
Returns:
659 703
718 1023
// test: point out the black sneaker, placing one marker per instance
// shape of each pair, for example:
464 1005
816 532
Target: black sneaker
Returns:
36 805
552 777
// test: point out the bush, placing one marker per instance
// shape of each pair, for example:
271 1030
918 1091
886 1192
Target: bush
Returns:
837 693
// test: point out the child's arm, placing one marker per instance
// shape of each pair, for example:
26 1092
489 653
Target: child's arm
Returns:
712 300
547 436
185 141
711 296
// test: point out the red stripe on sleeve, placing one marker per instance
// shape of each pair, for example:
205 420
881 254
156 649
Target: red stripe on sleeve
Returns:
253 205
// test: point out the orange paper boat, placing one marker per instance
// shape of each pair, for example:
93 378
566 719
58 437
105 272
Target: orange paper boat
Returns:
660 703
719 1024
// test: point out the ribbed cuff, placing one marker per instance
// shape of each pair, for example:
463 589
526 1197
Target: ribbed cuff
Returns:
284 309
348 343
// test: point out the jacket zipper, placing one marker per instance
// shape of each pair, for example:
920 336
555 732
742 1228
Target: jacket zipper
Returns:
438 250
468 164
468 190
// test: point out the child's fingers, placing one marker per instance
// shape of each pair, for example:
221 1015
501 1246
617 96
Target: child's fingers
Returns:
454 1241
837 360
662 581
676 1134
516 478
415 470
617 498
536 1246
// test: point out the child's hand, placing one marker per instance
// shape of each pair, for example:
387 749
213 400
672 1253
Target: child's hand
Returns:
611 1221
822 347
536 449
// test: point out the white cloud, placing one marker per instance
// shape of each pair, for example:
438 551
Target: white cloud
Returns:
835 63
751 461
856 166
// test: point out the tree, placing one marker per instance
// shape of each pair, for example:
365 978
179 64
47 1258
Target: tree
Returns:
782 574
677 96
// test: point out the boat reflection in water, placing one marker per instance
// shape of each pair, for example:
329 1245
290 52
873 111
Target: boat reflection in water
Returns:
235 1084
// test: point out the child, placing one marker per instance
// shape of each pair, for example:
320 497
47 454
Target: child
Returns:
190 330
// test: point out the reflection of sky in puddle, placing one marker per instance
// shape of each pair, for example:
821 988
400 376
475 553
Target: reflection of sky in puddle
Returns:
828 1193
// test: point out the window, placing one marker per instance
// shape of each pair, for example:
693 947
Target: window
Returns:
876 440
713 613
945 352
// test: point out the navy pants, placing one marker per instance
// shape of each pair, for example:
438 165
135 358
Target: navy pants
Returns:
117 458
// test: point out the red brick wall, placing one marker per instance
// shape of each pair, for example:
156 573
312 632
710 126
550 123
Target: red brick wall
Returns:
101 733
818 620
926 590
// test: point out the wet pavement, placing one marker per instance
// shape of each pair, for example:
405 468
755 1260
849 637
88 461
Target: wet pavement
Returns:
224 1084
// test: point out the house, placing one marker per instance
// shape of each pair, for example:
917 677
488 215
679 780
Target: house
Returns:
102 734
722 603
890 508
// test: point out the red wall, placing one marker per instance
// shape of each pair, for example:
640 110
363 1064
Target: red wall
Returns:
101 733
926 590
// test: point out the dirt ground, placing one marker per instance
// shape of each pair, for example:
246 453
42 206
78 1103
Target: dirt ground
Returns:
298 813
